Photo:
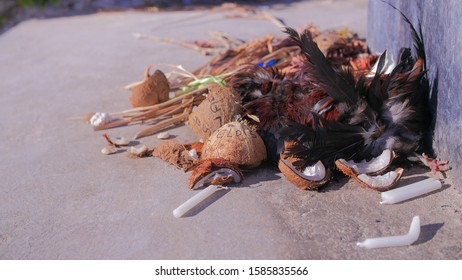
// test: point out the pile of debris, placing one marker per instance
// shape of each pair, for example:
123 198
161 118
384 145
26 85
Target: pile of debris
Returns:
311 102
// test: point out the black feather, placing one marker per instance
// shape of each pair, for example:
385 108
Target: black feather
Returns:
405 64
337 83
416 36
375 95
327 141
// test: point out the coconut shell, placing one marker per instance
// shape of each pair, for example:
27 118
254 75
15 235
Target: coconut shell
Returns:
296 176
220 107
207 167
348 170
399 172
154 89
237 143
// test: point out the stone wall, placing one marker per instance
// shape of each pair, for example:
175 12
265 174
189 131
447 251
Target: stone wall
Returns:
441 23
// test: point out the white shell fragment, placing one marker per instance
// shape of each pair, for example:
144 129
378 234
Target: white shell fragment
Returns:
100 119
374 165
220 173
410 191
193 154
393 241
121 141
193 201
163 135
140 151
110 149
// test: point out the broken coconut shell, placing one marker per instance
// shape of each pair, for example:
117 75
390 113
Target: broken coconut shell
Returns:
362 171
214 172
380 182
237 143
308 178
154 89
302 176
140 151
220 107
375 166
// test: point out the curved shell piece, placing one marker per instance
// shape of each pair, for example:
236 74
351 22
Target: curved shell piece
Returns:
310 178
375 166
214 172
363 171
140 151
380 182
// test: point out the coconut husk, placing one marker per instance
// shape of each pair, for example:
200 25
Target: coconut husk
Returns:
237 143
154 89
220 107
175 154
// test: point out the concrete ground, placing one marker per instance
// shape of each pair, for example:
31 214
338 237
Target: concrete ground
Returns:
60 198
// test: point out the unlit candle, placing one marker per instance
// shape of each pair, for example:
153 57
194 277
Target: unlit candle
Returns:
410 191
392 241
193 201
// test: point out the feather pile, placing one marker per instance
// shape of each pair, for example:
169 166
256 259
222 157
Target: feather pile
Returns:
329 111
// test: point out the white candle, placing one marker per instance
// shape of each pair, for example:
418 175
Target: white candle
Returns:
392 241
193 201
410 191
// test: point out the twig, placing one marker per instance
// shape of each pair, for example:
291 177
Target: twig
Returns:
112 124
132 85
276 21
261 15
278 52
174 100
162 125
227 40
168 111
202 50
194 101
